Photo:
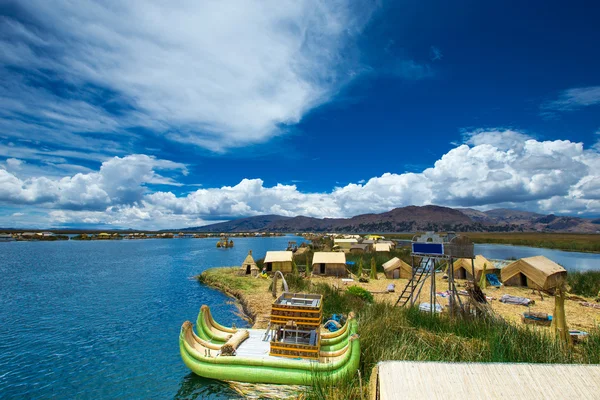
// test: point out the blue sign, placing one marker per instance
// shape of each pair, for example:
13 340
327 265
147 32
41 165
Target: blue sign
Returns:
428 248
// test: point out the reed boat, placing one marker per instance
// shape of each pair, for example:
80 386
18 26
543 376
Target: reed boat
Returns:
256 356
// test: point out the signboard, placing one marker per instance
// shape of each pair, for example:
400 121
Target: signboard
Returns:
428 248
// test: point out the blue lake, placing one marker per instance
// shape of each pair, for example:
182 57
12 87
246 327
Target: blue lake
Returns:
101 319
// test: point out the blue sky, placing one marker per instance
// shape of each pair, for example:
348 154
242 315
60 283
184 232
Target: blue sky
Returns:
147 115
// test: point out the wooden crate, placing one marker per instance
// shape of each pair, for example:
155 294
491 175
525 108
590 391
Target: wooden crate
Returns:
305 310
302 349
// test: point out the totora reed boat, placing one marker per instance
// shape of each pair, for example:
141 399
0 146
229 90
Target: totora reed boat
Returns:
246 355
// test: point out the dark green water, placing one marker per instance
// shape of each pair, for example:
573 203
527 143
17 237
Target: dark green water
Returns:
101 319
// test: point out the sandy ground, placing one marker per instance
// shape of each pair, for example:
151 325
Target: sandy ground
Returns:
578 317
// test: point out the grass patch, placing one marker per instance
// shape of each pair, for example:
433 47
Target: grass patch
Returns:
360 292
585 283
394 333
227 279
296 284
349 387
336 302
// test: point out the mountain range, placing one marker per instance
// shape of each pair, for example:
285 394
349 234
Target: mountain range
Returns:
411 219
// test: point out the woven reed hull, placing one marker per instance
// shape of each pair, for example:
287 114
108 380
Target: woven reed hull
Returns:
272 370
282 372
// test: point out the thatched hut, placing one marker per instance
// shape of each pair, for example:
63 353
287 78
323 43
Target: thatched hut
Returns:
279 261
534 272
463 268
249 266
382 247
344 243
360 248
329 263
391 244
396 268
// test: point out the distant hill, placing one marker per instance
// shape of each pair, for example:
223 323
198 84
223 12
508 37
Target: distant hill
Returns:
413 218
250 224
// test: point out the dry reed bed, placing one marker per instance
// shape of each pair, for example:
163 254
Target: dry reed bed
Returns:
578 317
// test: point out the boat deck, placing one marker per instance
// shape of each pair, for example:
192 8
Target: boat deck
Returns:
255 347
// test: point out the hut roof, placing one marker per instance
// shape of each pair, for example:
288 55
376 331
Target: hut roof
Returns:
537 268
479 262
382 247
278 256
322 257
463 381
345 241
249 260
361 246
396 263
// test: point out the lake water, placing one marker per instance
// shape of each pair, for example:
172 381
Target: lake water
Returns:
571 261
101 319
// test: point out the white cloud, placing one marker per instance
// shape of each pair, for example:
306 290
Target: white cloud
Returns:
217 74
573 99
119 181
497 168
14 163
501 138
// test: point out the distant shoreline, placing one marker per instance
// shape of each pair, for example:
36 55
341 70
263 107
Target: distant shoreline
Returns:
570 242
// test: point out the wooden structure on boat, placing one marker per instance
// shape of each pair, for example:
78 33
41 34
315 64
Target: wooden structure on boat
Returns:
294 327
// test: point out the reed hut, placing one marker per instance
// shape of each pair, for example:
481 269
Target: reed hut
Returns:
533 272
344 243
382 247
329 263
360 248
463 268
249 266
279 261
396 268
388 242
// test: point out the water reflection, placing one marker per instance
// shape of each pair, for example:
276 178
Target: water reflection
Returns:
193 386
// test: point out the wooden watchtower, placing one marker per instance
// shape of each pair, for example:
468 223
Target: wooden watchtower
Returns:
430 252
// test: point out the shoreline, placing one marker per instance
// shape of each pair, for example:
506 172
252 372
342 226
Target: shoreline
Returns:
242 301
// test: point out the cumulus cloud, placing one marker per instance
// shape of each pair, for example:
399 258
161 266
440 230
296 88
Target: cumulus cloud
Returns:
216 74
546 176
119 181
